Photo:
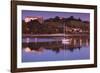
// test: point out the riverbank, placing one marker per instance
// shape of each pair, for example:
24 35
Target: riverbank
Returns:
53 35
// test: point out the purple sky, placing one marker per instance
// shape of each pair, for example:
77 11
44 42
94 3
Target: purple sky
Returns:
49 14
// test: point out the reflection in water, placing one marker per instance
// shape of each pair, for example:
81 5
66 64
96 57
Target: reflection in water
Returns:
56 48
27 49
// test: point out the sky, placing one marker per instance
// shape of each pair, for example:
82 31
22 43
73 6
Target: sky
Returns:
51 14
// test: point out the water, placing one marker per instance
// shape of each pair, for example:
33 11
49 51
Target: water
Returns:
54 49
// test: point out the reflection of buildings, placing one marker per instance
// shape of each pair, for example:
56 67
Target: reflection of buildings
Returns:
29 18
81 42
56 46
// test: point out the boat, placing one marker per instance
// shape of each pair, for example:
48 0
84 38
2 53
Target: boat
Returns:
66 41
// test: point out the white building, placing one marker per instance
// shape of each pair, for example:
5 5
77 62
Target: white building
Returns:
29 18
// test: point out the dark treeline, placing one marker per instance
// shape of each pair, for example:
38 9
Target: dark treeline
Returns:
56 25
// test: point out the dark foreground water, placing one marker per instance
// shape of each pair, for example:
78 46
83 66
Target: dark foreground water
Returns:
55 49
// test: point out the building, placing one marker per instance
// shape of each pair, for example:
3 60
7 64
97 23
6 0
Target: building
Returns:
29 18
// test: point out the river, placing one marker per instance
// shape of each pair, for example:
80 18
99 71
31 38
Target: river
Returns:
55 48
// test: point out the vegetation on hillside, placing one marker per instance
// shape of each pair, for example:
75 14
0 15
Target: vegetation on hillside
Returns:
56 25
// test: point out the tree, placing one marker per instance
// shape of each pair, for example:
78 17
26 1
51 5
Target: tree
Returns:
56 18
